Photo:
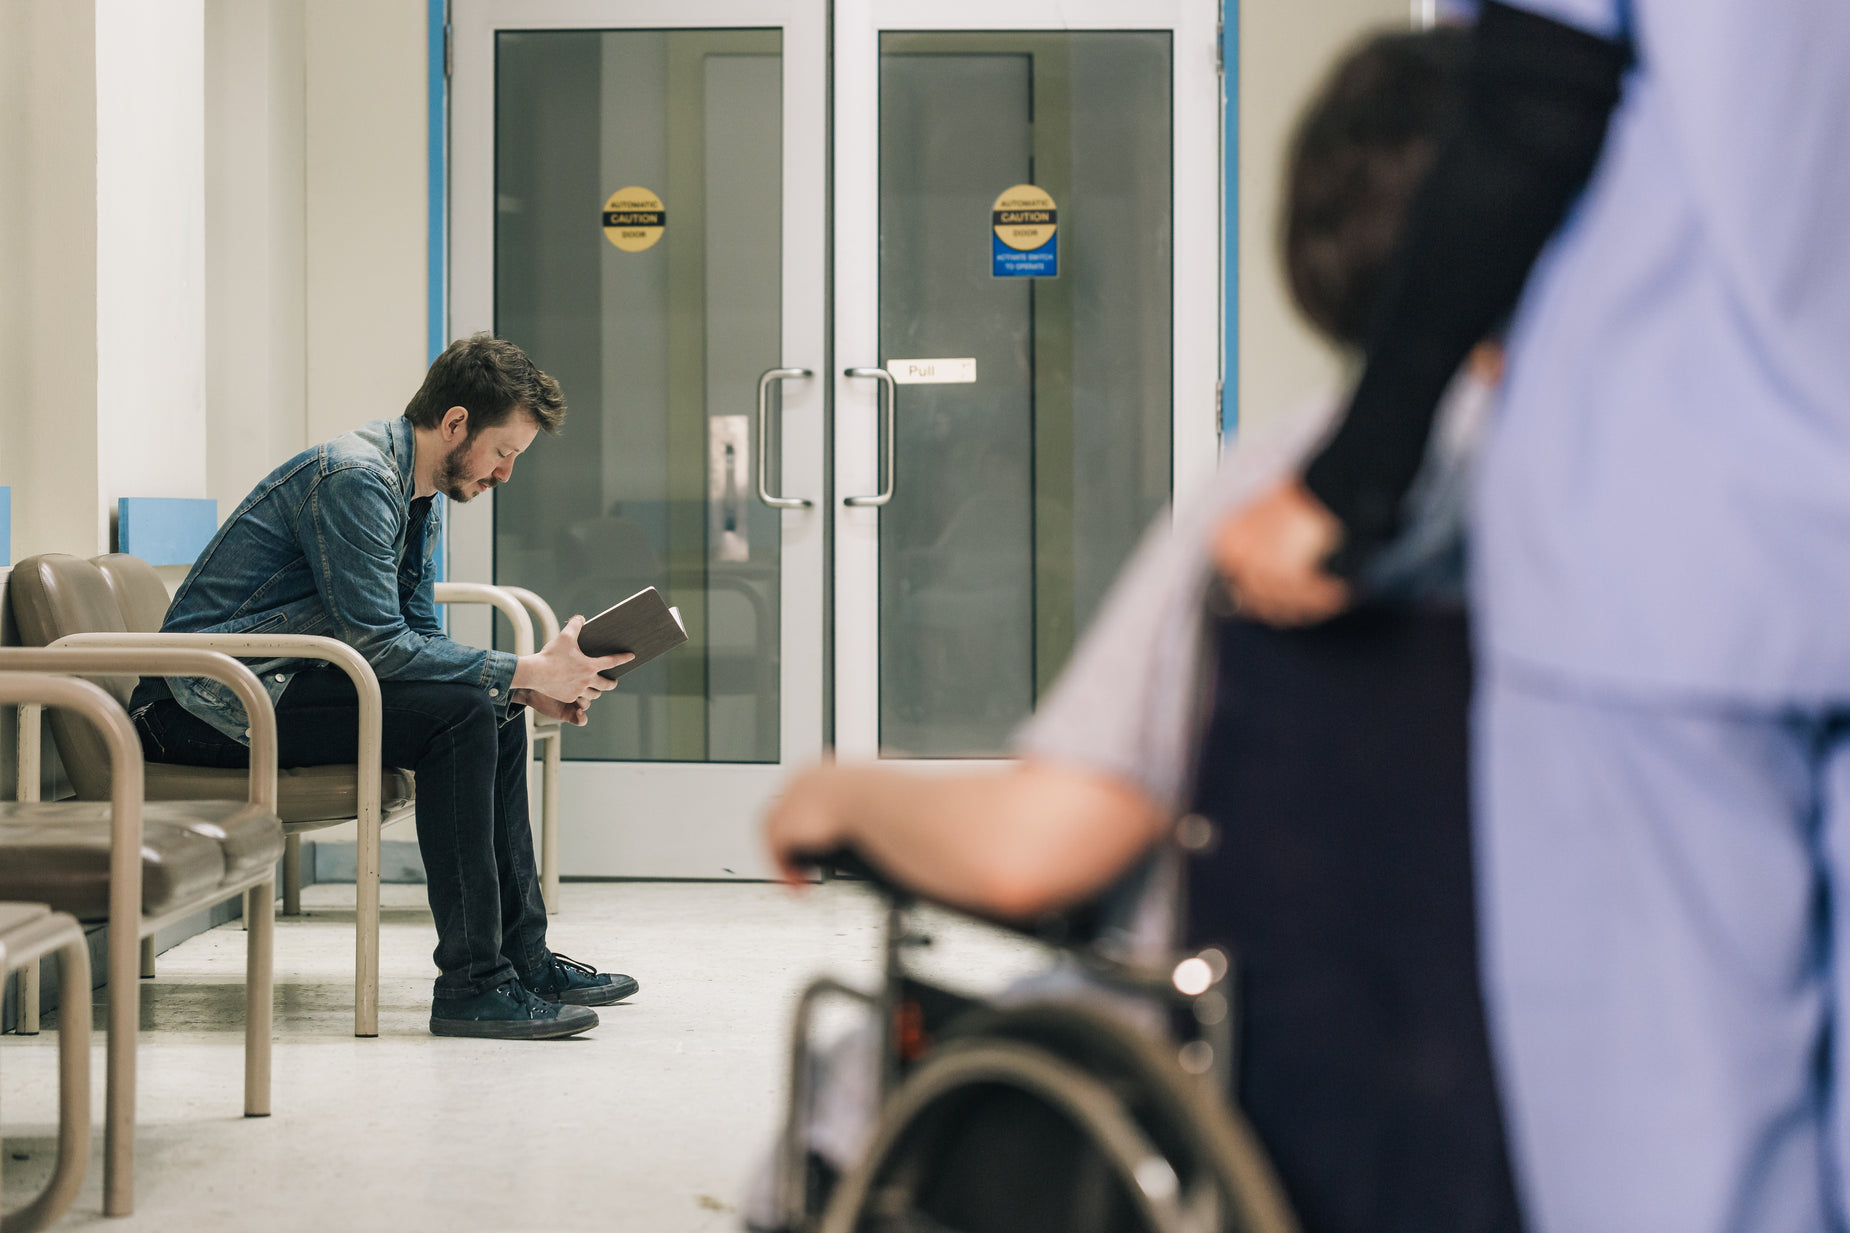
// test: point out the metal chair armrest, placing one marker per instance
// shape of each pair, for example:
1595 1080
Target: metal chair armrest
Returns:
297 646
95 704
500 598
543 615
165 661
545 727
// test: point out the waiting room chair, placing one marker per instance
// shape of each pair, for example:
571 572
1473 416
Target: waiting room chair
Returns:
68 601
139 866
143 598
29 932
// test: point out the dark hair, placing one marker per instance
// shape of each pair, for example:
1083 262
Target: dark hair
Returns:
1361 150
488 377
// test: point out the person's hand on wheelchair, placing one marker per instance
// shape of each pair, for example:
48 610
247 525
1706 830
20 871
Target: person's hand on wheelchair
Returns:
1012 843
807 823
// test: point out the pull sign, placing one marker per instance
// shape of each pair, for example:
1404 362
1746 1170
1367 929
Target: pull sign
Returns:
932 372
634 219
1025 242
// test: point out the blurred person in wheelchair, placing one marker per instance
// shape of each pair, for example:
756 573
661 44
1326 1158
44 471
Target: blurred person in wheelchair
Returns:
1320 774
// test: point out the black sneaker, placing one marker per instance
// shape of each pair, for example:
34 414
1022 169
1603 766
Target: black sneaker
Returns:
577 984
508 1012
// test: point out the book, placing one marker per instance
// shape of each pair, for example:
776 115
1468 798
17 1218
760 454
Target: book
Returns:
643 625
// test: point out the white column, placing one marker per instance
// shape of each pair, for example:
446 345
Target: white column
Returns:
367 163
48 178
256 400
101 242
150 251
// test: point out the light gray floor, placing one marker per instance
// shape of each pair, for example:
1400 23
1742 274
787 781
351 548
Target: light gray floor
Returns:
651 1122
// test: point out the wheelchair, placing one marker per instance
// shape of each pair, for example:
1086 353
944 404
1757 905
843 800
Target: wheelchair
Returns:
1043 1114
1336 876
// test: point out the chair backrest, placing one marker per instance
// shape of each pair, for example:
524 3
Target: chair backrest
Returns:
54 595
139 591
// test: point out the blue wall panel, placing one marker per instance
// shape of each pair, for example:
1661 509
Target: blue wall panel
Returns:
165 530
437 13
1230 218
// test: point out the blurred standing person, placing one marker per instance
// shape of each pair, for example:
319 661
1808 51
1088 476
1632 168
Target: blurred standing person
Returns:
1662 548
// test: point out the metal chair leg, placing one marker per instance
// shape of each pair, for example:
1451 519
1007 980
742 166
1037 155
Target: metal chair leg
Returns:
147 958
119 1098
292 875
29 999
259 977
549 823
366 926
73 1082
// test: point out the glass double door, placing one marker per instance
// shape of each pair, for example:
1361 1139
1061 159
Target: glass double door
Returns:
885 330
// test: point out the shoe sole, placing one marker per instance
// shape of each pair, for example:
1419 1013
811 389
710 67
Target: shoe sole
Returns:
597 995
510 1029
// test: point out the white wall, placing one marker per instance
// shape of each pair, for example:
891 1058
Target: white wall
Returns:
15 159
48 251
101 252
212 243
251 174
1286 46
316 214
366 209
150 252
255 127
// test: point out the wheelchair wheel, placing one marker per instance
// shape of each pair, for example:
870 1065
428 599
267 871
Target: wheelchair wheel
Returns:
1055 1117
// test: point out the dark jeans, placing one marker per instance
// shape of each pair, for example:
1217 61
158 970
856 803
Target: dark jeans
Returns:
1336 766
471 813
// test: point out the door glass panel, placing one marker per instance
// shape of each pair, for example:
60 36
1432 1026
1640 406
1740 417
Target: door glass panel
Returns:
656 309
1018 495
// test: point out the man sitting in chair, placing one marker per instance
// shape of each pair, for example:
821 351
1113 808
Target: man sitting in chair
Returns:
341 541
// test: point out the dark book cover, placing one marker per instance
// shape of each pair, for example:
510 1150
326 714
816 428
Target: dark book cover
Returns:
643 625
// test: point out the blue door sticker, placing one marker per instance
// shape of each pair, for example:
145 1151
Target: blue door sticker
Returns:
1024 235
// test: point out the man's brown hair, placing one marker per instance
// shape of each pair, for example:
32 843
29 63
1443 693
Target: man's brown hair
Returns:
1361 151
488 377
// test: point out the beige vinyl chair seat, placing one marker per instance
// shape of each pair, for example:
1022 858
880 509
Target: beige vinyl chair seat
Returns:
58 852
303 793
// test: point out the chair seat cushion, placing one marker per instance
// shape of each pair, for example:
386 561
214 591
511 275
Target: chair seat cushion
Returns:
303 793
57 852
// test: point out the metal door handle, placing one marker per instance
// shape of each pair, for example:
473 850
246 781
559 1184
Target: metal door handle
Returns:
764 396
892 435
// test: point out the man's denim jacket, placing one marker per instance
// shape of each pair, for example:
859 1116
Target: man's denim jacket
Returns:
319 547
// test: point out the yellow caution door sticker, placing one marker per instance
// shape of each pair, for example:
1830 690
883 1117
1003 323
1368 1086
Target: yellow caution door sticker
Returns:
1025 234
634 219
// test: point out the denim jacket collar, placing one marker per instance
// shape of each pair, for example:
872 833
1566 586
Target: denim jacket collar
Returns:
397 440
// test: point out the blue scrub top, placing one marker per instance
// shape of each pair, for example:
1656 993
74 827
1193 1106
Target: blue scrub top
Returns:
1664 504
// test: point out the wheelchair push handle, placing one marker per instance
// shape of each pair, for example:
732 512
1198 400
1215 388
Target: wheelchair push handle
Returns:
848 863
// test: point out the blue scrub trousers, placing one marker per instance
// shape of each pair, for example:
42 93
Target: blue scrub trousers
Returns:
1662 893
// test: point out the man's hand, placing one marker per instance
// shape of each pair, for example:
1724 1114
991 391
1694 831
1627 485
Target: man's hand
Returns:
569 712
809 820
562 672
1271 555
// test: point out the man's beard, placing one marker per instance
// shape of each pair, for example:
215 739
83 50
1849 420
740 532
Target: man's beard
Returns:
450 479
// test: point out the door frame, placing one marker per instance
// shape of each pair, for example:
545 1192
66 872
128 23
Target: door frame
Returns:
721 799
1195 288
